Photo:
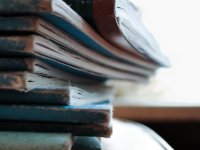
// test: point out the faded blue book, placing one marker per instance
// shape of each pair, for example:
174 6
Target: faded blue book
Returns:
35 141
95 114
62 16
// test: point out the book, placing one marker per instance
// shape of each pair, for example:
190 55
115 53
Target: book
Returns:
93 114
25 81
71 95
35 140
121 25
39 67
86 143
25 87
75 129
36 96
63 17
40 47
32 24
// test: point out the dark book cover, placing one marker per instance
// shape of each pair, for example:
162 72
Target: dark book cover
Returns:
37 96
75 129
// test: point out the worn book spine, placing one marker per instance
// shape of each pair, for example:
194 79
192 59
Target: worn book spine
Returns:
37 96
21 6
16 64
16 46
17 24
12 81
35 140
75 129
99 114
25 81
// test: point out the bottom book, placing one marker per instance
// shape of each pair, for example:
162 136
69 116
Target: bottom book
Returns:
46 141
35 141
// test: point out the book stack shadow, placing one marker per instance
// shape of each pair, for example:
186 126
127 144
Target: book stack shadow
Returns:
53 72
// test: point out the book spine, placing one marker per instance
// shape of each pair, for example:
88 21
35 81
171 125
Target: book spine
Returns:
15 24
13 7
46 97
20 64
15 46
12 81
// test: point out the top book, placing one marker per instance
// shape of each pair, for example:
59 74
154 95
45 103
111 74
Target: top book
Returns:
60 15
118 21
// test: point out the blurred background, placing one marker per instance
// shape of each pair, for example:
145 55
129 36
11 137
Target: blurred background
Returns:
170 103
176 26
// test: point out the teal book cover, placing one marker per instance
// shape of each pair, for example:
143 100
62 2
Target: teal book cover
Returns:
35 141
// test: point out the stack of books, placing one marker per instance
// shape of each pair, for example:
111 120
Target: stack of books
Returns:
53 68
